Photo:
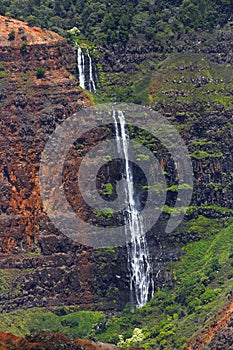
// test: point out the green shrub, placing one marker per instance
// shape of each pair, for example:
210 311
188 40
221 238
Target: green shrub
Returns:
40 72
23 47
108 189
11 35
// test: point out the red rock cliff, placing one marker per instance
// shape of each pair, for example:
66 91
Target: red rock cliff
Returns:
31 107
48 269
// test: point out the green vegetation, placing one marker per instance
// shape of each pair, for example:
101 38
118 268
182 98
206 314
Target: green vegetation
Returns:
40 72
192 79
105 212
136 339
23 47
198 154
126 86
176 188
3 71
108 189
8 276
11 35
115 22
77 323
203 277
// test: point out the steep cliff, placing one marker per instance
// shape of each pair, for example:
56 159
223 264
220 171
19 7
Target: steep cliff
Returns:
30 108
191 85
39 266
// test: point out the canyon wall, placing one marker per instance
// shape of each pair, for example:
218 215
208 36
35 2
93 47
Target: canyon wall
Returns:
38 265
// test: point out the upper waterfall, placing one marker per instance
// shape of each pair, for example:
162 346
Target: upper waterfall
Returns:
91 76
86 70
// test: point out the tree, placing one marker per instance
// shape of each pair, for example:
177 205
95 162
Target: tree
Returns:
32 21
40 72
11 35
23 47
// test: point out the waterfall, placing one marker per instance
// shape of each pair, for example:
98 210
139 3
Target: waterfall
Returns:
137 249
85 70
91 78
81 71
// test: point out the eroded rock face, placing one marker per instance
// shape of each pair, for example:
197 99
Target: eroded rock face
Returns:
46 268
30 110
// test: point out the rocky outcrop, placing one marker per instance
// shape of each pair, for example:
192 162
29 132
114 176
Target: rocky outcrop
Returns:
126 58
45 267
223 339
189 92
191 87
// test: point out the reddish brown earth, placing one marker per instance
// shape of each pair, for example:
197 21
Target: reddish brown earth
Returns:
34 35
219 334
30 107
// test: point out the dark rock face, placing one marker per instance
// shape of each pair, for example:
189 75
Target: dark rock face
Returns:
118 58
188 90
223 339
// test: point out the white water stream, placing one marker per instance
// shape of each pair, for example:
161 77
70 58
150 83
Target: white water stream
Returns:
138 253
85 70
92 86
80 61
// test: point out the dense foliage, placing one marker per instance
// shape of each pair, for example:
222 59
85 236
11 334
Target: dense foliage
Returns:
107 22
62 319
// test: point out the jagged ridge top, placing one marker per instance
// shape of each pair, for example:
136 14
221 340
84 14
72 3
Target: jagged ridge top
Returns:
33 34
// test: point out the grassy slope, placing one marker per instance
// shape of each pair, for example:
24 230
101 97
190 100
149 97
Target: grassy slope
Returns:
179 72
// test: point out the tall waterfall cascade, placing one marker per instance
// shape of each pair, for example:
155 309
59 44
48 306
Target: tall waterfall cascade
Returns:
141 283
87 76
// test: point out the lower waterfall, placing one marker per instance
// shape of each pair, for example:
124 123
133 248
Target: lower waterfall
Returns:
141 283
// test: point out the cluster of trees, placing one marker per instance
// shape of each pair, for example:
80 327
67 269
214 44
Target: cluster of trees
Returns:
106 22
